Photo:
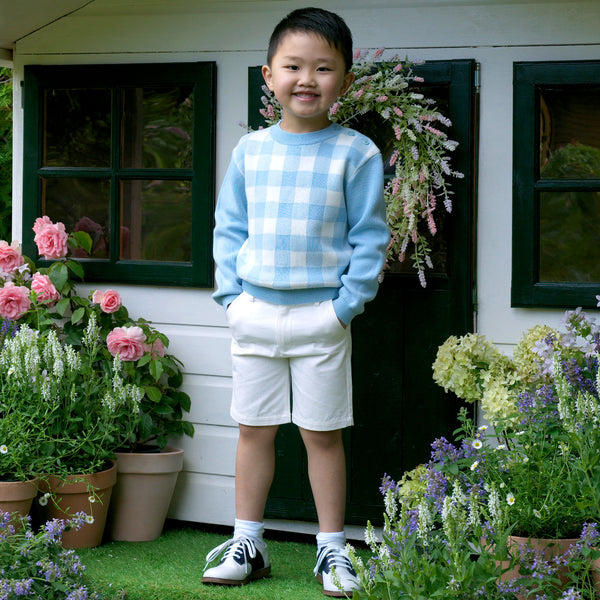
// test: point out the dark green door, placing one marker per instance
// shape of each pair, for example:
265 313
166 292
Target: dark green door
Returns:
398 409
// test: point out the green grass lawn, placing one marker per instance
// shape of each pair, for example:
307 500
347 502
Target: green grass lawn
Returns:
170 568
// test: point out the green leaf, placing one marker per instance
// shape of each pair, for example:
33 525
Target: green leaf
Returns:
59 275
83 240
153 393
156 369
188 428
76 268
78 315
144 360
61 306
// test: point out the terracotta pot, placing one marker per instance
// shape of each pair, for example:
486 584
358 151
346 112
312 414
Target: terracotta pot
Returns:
546 548
145 485
88 493
16 496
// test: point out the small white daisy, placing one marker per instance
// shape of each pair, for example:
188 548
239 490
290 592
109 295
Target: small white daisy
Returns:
477 444
537 513
3 449
89 519
510 499
483 427
474 465
44 499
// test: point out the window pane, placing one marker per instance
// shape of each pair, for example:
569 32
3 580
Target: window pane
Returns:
156 220
76 128
157 127
82 205
569 234
570 133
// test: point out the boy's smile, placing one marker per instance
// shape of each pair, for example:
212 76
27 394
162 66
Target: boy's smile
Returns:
307 75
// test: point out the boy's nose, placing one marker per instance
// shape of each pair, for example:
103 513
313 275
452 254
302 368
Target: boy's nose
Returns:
306 77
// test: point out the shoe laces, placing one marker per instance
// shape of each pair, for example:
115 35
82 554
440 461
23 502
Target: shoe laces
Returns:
335 558
235 547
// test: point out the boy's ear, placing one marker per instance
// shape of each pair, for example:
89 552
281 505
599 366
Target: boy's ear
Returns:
348 81
266 73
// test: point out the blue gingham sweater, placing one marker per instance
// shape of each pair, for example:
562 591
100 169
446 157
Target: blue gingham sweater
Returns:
301 218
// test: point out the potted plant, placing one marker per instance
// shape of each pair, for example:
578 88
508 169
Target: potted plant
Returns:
82 415
462 525
46 299
543 454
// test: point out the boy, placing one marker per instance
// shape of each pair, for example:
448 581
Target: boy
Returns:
299 242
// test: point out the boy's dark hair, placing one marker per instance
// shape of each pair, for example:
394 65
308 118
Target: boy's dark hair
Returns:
318 21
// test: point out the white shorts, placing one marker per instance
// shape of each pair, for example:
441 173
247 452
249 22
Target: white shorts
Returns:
301 349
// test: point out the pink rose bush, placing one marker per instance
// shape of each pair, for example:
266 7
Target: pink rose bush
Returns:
14 301
44 288
109 301
50 238
10 257
127 342
46 301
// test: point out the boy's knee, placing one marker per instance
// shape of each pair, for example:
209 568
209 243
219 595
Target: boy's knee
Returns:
322 440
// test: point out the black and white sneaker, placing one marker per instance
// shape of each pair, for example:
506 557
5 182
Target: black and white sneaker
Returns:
244 560
334 570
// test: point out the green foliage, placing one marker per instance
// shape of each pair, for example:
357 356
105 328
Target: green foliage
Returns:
5 153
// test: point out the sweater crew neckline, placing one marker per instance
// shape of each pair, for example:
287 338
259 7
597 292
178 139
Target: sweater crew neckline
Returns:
300 139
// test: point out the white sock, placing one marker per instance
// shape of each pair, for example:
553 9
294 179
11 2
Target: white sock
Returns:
251 529
336 538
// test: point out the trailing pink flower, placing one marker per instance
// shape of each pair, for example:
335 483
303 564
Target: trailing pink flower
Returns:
10 257
398 111
381 98
398 68
358 93
109 301
397 131
394 157
357 53
433 130
431 223
378 53
50 238
418 79
14 301
334 108
45 289
127 342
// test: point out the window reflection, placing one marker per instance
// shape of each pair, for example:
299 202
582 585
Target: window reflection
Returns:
82 205
156 220
569 234
157 127
76 130
570 133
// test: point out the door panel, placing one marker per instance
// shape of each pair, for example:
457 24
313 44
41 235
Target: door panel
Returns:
398 408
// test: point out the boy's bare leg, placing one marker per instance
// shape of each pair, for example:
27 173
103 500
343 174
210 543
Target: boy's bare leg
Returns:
254 471
327 474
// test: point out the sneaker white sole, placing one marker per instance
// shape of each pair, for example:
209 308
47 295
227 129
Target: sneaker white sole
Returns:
333 593
260 574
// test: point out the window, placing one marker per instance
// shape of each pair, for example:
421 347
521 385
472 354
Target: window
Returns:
556 184
126 153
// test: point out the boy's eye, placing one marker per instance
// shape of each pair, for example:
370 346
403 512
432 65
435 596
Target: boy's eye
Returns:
323 69
292 67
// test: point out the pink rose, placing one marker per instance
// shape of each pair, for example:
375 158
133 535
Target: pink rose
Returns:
157 348
14 301
10 257
51 238
41 222
109 301
44 288
127 342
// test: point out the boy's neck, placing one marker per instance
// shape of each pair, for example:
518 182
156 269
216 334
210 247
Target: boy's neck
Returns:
293 126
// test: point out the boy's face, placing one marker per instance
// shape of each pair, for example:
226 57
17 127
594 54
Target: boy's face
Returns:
306 75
